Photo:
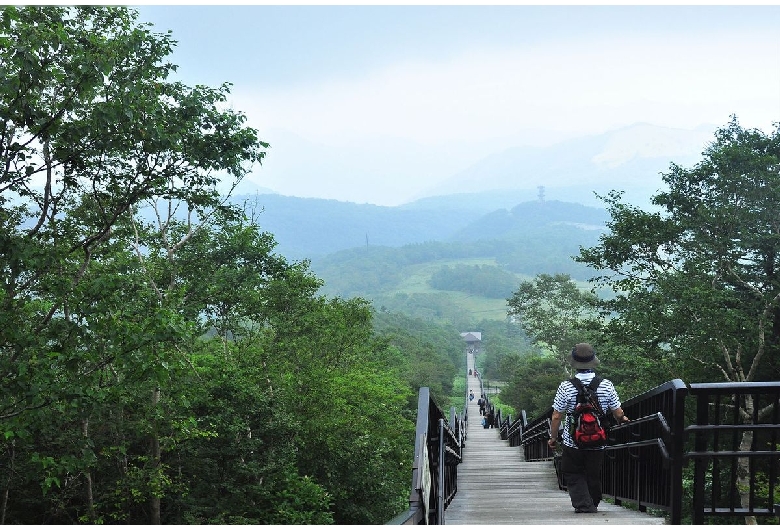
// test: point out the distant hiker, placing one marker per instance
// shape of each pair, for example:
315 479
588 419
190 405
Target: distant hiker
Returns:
471 395
485 423
582 467
482 405
469 371
491 418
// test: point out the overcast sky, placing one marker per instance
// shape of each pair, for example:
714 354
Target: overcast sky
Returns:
376 104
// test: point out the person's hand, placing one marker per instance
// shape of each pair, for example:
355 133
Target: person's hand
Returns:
552 442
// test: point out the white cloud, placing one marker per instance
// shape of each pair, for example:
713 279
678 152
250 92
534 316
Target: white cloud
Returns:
449 113
576 86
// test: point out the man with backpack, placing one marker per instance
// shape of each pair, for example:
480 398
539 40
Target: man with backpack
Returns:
584 400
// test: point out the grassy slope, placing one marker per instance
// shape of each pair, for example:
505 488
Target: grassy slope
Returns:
416 282
416 279
482 308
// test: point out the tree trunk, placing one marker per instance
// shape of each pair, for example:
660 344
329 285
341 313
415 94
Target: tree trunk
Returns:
8 483
743 464
88 476
155 500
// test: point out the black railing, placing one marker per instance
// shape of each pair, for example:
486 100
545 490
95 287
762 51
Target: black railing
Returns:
734 443
643 463
736 449
438 449
532 436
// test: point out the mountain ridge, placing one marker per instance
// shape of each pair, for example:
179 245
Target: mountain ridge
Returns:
630 159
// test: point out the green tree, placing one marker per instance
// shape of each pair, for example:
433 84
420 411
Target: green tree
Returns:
160 364
327 389
431 354
90 127
555 314
698 282
532 384
239 463
340 389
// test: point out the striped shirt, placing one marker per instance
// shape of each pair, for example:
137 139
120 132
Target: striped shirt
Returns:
566 399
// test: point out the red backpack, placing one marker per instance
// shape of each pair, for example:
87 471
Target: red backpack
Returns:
588 429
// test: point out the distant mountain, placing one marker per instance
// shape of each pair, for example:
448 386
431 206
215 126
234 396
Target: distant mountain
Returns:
532 238
309 228
521 212
534 216
477 202
314 228
630 159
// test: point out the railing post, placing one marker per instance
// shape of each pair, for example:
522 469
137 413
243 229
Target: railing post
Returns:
677 452
700 462
440 508
417 502
453 418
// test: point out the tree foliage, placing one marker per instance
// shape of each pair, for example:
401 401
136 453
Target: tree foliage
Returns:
480 280
89 129
160 363
555 313
697 282
429 354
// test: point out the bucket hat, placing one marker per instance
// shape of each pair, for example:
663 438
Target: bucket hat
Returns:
583 356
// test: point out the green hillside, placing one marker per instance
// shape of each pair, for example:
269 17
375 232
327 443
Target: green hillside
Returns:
415 296
468 277
305 228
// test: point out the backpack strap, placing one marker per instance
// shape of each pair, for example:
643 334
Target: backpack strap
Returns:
595 382
593 385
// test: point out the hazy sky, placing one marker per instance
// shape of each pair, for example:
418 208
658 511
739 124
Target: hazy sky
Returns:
377 103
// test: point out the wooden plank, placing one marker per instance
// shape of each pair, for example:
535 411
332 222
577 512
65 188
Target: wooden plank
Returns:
496 485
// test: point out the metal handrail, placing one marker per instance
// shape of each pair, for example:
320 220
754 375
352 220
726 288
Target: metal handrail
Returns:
645 458
736 436
438 451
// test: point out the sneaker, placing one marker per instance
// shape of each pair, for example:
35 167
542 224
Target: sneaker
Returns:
591 510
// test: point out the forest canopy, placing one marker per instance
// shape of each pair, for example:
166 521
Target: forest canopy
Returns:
162 364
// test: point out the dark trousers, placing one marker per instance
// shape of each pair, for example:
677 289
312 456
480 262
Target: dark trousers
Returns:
582 472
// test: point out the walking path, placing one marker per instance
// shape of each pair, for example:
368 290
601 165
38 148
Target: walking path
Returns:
496 485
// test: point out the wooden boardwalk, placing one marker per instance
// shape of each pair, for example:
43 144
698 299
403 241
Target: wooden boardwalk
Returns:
496 485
